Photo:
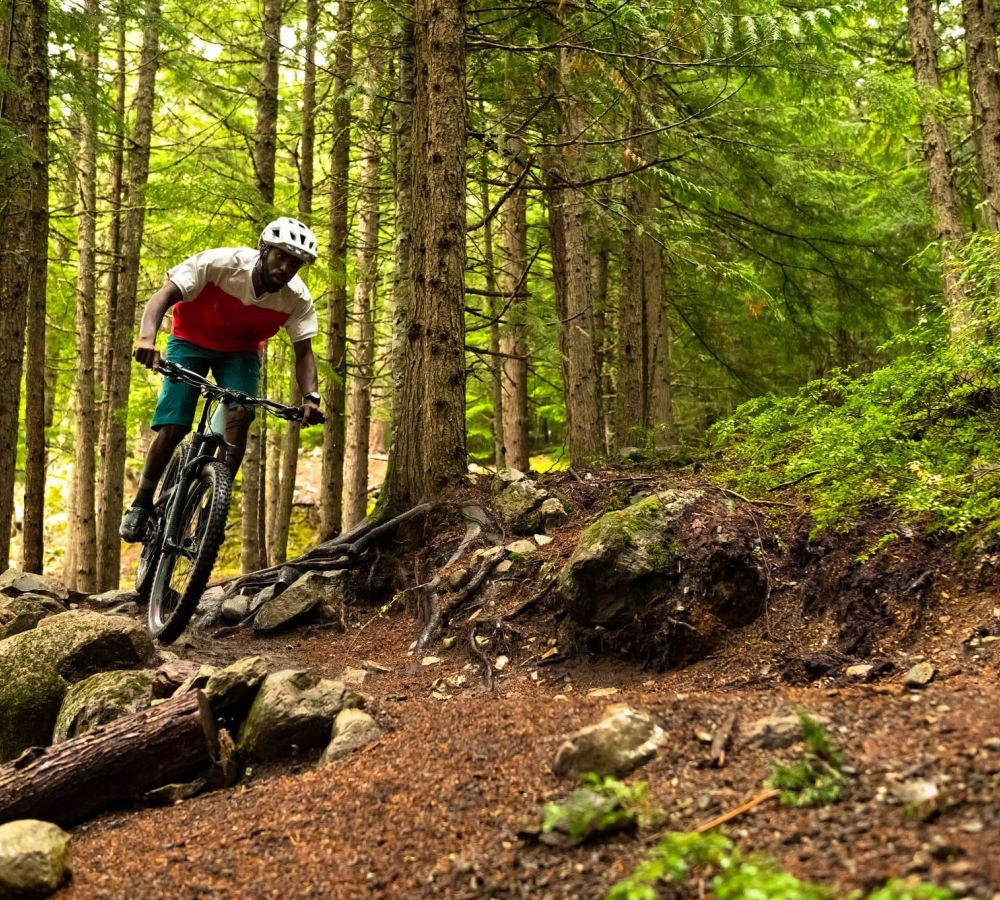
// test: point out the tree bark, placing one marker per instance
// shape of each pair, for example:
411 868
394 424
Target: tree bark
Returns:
571 274
118 763
984 95
428 450
135 203
118 322
36 367
84 576
514 330
24 104
253 550
334 393
366 280
937 160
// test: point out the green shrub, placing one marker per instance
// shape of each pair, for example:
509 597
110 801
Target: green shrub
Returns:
920 436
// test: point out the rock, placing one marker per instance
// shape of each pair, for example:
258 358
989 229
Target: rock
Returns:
305 596
234 609
501 663
778 732
38 666
102 698
542 540
375 667
34 858
516 502
14 582
25 611
921 675
197 680
551 514
352 730
354 676
231 690
602 692
621 742
293 708
631 454
584 816
860 672
430 661
111 599
523 547
171 675
170 794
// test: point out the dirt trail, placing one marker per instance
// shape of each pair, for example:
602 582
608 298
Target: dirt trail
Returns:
434 808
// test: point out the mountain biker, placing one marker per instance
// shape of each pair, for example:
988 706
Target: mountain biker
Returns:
226 303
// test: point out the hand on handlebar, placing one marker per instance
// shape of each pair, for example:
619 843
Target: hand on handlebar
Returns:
312 415
145 352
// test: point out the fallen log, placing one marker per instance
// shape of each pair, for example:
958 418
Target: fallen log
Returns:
111 765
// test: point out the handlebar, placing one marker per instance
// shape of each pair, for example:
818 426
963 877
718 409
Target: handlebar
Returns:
175 373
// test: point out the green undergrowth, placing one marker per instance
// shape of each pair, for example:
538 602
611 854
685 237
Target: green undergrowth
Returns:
919 436
817 777
685 857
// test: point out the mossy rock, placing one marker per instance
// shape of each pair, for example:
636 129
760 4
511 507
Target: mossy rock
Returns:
25 611
38 667
103 698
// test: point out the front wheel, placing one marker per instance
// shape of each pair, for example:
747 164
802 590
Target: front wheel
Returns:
190 546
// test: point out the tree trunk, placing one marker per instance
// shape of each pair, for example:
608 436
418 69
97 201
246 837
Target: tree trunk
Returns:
290 447
984 94
428 450
937 159
600 279
571 274
336 333
25 109
514 331
84 577
118 322
115 764
366 275
135 203
254 521
37 370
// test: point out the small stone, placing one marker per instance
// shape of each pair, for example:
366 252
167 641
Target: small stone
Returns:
704 736
860 672
778 732
352 730
542 539
505 566
522 548
430 661
171 794
448 642
501 663
973 826
354 676
376 668
622 741
919 676
481 641
552 651
602 692
992 744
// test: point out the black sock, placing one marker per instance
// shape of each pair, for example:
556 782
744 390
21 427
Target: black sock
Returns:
144 498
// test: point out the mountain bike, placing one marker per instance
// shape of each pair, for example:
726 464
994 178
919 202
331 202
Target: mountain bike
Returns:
188 524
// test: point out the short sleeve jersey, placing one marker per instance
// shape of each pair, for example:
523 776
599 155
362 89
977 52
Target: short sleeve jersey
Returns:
219 310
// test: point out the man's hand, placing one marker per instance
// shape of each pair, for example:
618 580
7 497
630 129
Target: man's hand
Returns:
312 414
145 352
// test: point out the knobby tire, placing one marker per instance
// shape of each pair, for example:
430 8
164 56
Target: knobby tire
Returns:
151 544
202 530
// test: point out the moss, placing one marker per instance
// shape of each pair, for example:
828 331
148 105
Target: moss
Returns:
102 698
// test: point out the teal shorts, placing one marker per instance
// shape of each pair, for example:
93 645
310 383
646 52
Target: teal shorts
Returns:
177 403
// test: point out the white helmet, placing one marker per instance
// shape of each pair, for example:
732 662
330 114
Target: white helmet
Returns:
291 236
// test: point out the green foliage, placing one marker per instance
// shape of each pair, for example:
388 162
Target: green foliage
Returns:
680 856
602 804
817 779
920 436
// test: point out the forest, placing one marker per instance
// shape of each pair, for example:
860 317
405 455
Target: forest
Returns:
581 228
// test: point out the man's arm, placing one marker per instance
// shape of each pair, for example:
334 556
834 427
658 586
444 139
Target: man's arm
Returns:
305 375
156 308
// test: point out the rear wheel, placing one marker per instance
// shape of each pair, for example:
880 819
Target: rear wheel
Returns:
186 561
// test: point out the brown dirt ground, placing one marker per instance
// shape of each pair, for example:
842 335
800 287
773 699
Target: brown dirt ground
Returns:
434 808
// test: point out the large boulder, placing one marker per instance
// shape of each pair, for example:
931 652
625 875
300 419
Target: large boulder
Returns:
665 576
103 698
622 741
24 611
293 709
37 667
34 858
523 505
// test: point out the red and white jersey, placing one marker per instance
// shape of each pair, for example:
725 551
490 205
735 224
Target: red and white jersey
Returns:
220 312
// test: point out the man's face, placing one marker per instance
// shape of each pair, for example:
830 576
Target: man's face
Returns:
277 268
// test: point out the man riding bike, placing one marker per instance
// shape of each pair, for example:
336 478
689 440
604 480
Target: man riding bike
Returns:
226 303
